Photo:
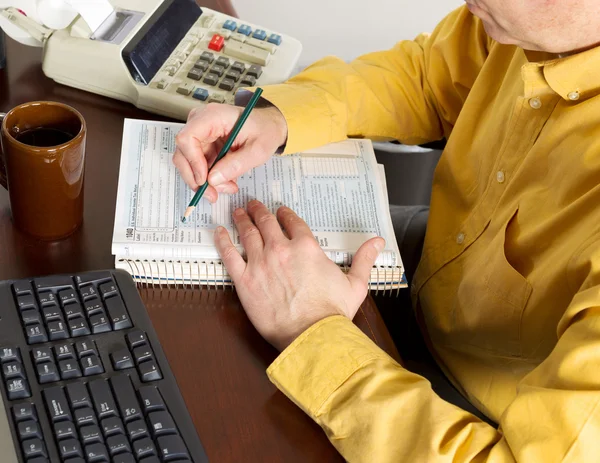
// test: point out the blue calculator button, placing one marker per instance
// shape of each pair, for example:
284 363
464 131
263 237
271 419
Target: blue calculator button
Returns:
259 34
230 25
274 38
200 94
245 29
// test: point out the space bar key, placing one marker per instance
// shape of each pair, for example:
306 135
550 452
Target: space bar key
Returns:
247 52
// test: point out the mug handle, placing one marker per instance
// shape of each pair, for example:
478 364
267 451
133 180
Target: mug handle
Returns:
3 181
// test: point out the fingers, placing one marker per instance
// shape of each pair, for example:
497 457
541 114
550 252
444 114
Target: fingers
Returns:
249 234
185 170
266 222
233 261
362 263
293 225
235 164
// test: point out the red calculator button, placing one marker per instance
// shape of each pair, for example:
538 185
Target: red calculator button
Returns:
216 43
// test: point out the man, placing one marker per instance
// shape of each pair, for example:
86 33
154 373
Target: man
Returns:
508 286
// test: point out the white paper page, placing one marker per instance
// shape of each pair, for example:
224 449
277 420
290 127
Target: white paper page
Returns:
336 196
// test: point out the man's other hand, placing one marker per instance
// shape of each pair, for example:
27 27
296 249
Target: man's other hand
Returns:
287 282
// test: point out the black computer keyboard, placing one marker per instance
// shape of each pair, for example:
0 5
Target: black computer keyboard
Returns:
84 378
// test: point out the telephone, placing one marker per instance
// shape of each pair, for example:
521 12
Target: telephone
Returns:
164 56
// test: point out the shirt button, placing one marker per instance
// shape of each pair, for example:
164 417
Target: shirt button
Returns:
460 238
535 103
500 176
573 96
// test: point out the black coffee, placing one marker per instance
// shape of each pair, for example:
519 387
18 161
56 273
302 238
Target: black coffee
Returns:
44 137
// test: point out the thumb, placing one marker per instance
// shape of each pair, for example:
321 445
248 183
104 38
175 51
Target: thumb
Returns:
234 164
362 263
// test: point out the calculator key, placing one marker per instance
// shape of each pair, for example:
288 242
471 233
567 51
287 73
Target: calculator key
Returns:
122 359
78 327
211 79
34 448
201 65
87 292
195 74
225 33
137 430
233 75
200 94
26 302
65 430
56 404
57 330
230 25
18 389
22 287
91 434
69 369
9 354
162 84
254 71
118 444
247 52
102 398
185 89
216 98
85 417
42 355
51 313
31 316
36 334
118 313
92 365
64 351
108 289
217 42
143 448
239 37
171 448
149 371
245 29
69 448
78 395
73 310
13 370
259 34
96 453
112 426
207 56
47 298
218 70
23 412
222 61
47 373
151 399
100 323
28 430
250 81
274 39
238 66
227 84
271 48
171 70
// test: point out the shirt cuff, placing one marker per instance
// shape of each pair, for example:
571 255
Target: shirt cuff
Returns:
320 360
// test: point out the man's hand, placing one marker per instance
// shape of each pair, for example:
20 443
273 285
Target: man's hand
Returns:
287 283
199 142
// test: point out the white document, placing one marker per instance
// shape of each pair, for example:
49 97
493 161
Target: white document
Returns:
335 189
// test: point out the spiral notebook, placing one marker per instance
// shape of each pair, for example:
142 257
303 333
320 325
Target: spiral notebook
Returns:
338 189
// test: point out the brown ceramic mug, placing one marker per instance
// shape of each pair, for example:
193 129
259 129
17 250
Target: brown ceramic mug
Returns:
42 167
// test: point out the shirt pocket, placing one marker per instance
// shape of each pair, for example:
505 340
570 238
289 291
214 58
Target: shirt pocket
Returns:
491 298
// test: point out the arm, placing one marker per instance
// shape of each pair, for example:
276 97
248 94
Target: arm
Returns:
411 93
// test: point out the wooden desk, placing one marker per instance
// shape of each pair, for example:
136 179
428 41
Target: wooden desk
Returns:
218 358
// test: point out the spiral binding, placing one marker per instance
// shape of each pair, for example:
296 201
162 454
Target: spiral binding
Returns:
212 274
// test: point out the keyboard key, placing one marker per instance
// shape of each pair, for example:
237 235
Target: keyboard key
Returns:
64 351
57 330
47 373
124 458
161 423
230 25
217 42
93 277
93 306
26 302
45 460
137 430
28 430
91 365
136 338
22 287
149 371
144 448
47 298
85 348
102 398
65 430
171 448
108 289
78 395
245 29
69 369
73 310
53 282
254 71
96 453
122 359
195 74
151 399
227 84
13 370
51 313
57 405
34 448
23 412
67 295
129 407
118 444
100 323
87 292
69 448
18 389
91 434
117 313
9 354
247 52
111 426
31 317
259 34
78 327
200 94
142 353
275 39
85 417
42 355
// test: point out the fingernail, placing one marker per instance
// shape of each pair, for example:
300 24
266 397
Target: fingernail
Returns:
238 212
380 244
197 178
216 178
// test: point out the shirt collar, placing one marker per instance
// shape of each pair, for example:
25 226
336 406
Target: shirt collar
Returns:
574 77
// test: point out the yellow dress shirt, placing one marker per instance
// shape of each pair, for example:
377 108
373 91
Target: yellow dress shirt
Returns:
508 287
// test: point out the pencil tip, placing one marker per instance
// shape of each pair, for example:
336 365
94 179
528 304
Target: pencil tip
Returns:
183 219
